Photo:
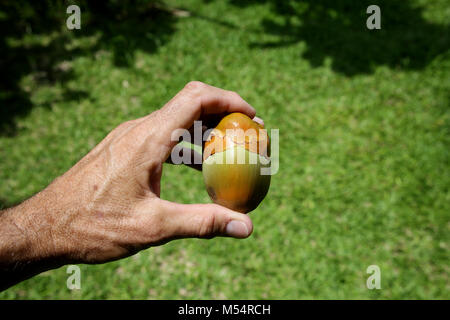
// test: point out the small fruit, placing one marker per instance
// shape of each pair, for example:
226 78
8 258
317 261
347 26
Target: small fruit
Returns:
234 156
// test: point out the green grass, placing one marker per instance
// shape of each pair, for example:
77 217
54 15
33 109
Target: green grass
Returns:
364 144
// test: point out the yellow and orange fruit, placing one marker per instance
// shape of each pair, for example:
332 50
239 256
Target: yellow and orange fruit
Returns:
234 156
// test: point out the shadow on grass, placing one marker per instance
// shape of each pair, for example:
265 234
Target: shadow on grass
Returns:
34 41
336 29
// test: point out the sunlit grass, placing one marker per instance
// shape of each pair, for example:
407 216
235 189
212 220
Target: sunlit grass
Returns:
364 166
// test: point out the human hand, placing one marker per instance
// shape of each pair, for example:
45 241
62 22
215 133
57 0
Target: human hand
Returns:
108 207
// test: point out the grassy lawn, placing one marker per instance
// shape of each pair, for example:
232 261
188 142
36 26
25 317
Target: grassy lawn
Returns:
364 126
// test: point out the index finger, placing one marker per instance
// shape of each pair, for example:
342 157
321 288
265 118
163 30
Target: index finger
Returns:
198 99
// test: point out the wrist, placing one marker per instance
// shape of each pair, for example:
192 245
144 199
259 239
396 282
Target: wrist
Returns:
27 244
29 232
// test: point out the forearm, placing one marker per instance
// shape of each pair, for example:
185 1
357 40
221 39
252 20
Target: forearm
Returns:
26 247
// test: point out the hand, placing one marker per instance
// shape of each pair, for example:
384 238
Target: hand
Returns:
108 207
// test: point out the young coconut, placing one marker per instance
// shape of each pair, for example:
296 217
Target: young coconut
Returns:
233 159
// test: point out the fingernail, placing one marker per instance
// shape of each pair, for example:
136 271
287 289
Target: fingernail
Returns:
237 229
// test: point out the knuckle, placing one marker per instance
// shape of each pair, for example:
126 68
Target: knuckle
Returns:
207 229
194 86
234 94
124 125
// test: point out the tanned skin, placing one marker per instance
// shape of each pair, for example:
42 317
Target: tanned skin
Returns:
108 205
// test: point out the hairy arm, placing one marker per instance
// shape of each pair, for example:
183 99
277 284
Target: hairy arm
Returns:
108 205
26 246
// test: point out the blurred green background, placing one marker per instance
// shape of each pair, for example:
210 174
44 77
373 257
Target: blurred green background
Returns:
364 137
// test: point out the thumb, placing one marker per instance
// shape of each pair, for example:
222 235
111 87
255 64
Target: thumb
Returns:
203 221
